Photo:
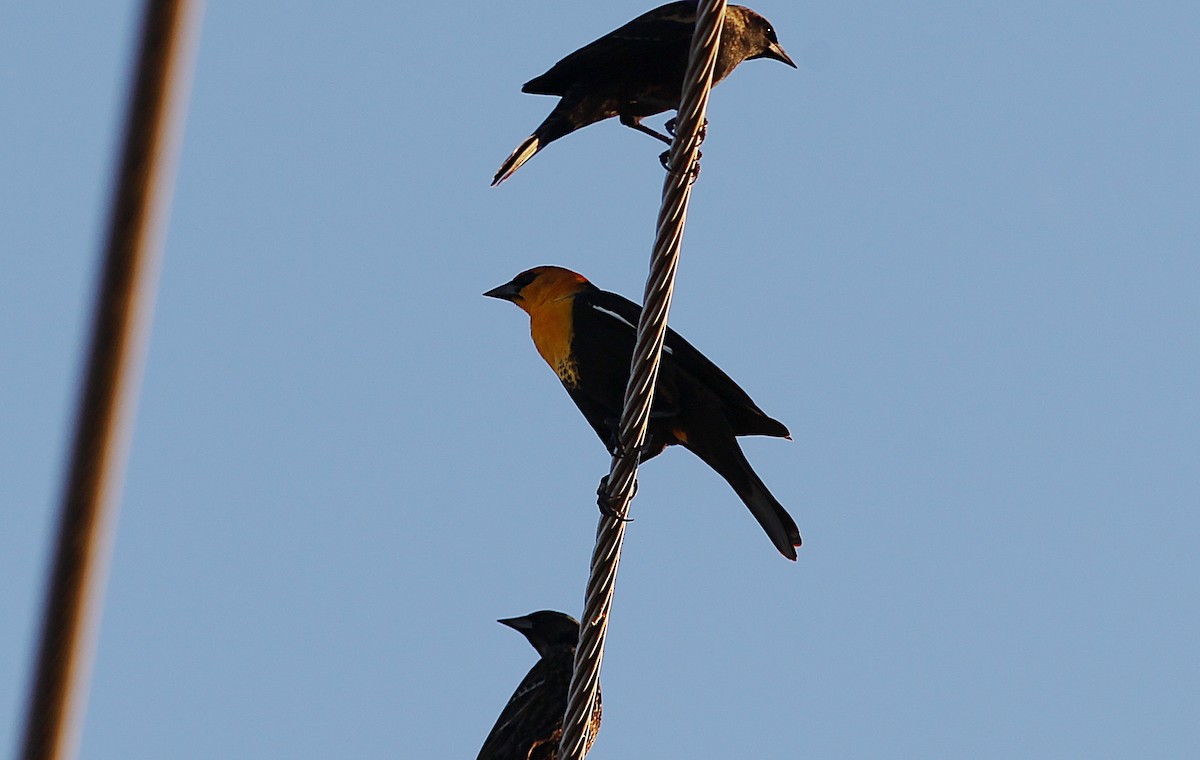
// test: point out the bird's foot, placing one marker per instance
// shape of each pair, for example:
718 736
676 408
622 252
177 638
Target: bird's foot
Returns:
605 503
693 172
673 122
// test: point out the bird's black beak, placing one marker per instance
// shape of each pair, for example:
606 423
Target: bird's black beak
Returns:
776 52
522 624
505 292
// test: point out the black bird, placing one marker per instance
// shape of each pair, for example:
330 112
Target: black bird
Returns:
637 71
587 336
530 726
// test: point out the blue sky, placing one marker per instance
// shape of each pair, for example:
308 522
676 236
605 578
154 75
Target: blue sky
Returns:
956 252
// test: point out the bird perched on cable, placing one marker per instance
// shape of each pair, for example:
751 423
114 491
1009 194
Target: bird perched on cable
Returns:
637 71
587 337
530 726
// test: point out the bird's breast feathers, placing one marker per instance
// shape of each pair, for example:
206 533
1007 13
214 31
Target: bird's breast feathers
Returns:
552 328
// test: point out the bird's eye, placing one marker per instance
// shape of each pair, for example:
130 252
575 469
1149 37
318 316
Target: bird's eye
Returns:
771 34
523 279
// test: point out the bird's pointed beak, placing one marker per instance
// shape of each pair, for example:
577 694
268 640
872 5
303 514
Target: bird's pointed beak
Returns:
776 52
505 292
521 624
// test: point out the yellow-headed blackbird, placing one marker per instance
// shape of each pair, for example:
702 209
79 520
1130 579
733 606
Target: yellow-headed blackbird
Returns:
530 726
587 337
637 71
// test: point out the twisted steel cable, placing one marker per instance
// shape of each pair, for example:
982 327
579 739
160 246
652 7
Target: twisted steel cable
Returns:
639 393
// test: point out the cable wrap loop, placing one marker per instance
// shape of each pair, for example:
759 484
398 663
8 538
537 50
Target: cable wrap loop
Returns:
639 393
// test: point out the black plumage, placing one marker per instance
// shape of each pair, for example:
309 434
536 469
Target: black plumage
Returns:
530 726
637 71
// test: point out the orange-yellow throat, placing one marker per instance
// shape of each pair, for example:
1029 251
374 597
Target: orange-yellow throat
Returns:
552 328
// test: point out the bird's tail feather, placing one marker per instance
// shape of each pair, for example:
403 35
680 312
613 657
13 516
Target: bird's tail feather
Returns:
731 464
523 153
774 519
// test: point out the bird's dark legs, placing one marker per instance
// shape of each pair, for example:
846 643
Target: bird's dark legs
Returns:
636 123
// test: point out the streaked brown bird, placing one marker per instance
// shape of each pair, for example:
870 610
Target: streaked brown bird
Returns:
587 337
637 71
530 726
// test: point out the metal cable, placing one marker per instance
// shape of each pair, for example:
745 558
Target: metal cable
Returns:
122 313
639 393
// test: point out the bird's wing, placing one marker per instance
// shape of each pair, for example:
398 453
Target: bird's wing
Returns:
533 712
646 42
609 323
744 415
602 342
680 356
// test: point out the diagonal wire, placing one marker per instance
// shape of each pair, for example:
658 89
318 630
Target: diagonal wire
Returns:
121 321
639 393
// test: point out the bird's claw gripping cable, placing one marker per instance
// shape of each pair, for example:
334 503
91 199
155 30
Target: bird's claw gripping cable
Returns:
701 136
607 508
693 172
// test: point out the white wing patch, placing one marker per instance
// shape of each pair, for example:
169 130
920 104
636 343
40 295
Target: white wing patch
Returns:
615 316
624 321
